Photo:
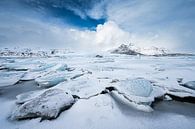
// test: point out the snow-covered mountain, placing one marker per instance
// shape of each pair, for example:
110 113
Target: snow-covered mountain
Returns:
125 49
149 51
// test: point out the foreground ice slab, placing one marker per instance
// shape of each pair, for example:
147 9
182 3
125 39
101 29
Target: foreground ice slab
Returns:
135 92
47 105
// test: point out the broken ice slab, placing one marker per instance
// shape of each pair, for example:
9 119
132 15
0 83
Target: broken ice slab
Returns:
60 67
22 64
10 78
47 105
32 75
140 93
42 67
121 98
136 87
43 70
190 84
51 79
82 87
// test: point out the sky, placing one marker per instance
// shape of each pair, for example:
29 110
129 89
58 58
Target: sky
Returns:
97 24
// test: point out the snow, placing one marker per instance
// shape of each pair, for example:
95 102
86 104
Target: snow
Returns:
152 51
47 105
138 80
82 87
138 103
24 97
147 51
134 50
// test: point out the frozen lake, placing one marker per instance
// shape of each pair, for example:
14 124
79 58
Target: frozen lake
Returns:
140 79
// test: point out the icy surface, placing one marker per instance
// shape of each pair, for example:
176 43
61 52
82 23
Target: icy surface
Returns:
137 87
47 105
51 79
87 76
137 93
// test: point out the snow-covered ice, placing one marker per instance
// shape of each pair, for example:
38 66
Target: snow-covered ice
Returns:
24 97
47 105
139 81
10 78
136 87
51 79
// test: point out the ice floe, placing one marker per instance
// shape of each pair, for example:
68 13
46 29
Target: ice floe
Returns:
47 105
10 78
51 79
139 93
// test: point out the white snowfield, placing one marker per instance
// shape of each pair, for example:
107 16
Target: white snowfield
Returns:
109 91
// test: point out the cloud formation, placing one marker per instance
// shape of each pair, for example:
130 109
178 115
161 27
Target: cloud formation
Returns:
101 24
161 23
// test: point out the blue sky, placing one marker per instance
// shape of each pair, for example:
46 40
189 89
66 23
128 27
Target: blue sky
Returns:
98 24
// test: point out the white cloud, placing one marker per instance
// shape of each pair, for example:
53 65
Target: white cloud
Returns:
144 23
109 35
28 32
98 11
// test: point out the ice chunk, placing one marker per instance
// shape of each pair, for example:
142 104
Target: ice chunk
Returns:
31 75
167 97
48 105
43 70
190 84
136 87
59 67
123 99
51 79
22 65
10 78
138 92
42 67
82 87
